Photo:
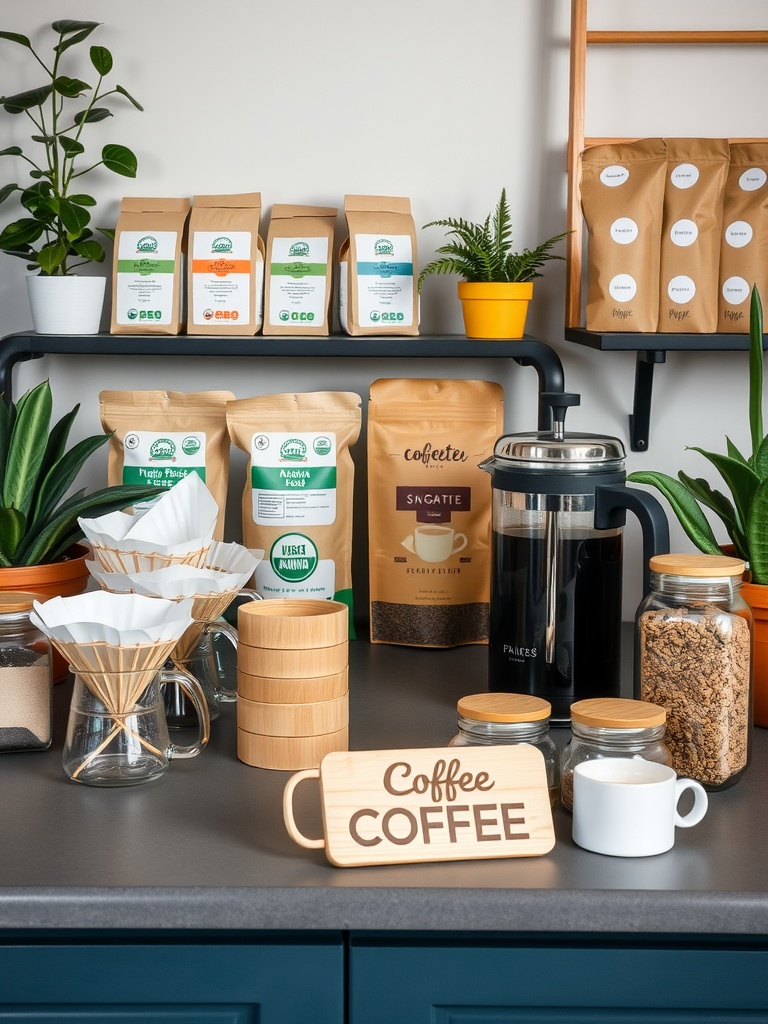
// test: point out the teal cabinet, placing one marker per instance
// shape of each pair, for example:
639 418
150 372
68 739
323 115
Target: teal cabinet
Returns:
552 982
157 982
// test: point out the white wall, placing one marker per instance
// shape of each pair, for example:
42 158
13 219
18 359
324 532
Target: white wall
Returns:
441 100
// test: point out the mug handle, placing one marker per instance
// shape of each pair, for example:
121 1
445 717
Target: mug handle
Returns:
290 823
459 537
700 803
193 690
222 693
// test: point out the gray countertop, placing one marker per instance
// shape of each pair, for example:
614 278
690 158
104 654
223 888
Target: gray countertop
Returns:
205 847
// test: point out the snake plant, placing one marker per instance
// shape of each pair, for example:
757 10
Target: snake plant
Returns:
745 513
37 523
483 252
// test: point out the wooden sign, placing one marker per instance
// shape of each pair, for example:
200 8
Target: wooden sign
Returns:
429 804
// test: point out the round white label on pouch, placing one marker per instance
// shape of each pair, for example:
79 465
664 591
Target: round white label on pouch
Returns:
684 175
753 179
624 230
684 232
735 291
623 288
738 234
614 175
681 289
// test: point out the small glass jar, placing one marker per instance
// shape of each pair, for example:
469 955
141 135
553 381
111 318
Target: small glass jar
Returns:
26 679
487 719
613 727
693 657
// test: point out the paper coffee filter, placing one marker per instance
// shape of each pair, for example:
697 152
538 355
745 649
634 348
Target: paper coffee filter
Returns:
118 620
171 582
233 558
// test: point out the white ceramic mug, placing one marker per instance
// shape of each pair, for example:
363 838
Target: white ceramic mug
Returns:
435 543
627 806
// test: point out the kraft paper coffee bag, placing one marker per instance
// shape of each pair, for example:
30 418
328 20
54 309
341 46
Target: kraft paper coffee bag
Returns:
297 501
378 268
429 510
622 196
297 287
226 265
690 237
744 243
161 436
148 278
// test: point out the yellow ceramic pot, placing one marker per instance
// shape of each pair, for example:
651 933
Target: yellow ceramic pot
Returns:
495 310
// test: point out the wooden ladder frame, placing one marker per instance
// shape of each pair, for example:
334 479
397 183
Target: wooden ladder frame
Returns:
578 142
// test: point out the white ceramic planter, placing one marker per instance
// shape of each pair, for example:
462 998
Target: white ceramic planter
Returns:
66 305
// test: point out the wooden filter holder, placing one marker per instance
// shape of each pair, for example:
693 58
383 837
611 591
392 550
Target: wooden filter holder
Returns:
302 663
293 623
274 690
288 753
311 719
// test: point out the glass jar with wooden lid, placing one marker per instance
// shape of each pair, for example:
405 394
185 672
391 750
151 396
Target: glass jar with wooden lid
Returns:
613 727
25 676
486 719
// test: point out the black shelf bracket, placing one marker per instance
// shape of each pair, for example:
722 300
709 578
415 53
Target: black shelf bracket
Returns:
640 417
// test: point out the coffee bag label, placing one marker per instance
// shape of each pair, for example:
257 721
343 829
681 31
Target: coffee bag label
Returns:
297 290
146 265
293 478
162 459
294 568
384 279
221 271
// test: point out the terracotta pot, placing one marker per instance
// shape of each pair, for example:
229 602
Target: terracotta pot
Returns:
756 596
56 579
494 310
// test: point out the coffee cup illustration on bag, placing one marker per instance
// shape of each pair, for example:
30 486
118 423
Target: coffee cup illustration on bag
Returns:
433 543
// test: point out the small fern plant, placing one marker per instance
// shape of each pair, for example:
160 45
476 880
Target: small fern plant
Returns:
483 252
743 513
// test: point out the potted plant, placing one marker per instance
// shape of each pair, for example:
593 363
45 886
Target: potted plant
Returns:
39 527
54 237
498 283
743 513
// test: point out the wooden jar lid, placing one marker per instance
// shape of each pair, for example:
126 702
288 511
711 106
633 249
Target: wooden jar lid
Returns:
271 690
293 623
304 663
617 713
313 719
504 707
697 565
288 753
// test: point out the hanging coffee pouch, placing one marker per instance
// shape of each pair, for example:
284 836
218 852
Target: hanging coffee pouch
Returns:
744 243
297 501
147 281
226 266
690 238
297 288
161 436
377 267
429 509
622 196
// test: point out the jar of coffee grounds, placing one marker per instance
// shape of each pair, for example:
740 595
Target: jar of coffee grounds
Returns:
612 727
486 719
693 650
25 677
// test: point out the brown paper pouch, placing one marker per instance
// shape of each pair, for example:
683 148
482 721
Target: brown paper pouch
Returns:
429 509
297 500
378 267
744 242
226 265
690 237
297 285
622 196
147 278
161 436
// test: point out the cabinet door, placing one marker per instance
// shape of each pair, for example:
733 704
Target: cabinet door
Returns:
148 983
412 983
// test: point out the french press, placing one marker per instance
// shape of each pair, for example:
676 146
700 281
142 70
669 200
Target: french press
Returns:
559 505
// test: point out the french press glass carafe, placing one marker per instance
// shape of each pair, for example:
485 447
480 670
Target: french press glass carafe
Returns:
559 505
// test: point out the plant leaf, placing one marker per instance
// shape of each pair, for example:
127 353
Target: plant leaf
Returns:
77 38
66 25
51 257
108 232
741 479
734 453
120 159
760 461
757 534
20 232
11 151
27 447
124 92
12 526
70 87
8 190
6 425
26 100
74 218
101 59
82 199
90 250
92 115
685 507
61 475
756 370
16 37
721 506
71 147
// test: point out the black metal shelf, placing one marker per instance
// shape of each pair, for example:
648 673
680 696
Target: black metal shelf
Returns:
652 349
16 348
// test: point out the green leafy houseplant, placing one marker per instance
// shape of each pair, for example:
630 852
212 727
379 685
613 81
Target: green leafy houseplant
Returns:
745 513
483 252
37 525
56 238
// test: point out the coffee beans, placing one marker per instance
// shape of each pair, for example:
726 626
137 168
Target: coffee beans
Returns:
431 625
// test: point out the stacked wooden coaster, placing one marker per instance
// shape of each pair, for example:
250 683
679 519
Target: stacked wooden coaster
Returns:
292 682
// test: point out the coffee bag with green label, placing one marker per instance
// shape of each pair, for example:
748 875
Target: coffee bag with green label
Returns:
297 501
377 267
161 436
744 242
297 286
226 265
148 279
